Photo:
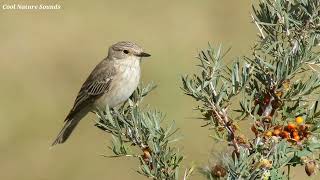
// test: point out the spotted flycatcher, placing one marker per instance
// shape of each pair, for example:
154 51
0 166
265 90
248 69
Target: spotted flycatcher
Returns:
110 83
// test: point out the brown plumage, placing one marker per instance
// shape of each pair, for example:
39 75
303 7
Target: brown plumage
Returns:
110 83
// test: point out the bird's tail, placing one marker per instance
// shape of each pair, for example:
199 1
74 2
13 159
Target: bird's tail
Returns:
69 125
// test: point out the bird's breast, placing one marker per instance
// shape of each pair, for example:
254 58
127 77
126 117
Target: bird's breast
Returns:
122 86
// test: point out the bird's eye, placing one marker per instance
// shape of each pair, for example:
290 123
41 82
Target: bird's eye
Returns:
126 51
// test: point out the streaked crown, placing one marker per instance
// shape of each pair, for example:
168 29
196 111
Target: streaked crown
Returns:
124 49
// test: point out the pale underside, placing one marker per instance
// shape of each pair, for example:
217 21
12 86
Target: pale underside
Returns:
123 84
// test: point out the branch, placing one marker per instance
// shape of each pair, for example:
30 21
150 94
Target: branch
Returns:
131 127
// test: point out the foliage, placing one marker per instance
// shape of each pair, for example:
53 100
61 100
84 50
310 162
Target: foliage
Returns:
275 90
131 127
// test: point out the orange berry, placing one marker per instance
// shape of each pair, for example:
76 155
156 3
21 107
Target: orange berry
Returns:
276 132
295 133
299 120
297 138
268 133
291 126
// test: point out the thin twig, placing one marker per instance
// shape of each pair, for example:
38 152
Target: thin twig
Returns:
223 119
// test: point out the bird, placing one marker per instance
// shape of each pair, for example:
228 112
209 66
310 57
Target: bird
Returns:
110 83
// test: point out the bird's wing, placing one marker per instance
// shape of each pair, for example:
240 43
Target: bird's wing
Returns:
96 85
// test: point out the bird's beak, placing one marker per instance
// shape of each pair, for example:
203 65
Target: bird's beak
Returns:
143 54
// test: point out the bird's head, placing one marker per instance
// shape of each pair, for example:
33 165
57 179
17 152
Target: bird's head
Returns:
126 49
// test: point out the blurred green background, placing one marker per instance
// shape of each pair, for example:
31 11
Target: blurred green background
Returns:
46 55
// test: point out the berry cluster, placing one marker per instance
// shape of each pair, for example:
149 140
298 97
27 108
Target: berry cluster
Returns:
293 131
